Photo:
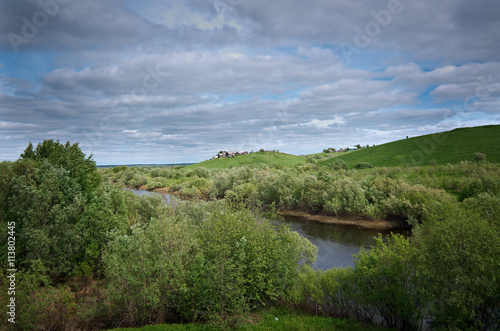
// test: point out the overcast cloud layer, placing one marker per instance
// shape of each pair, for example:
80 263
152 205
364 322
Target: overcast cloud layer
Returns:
177 81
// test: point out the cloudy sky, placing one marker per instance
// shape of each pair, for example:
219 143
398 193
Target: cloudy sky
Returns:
176 81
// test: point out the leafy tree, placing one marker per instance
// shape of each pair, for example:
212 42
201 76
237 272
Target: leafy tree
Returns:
61 214
69 157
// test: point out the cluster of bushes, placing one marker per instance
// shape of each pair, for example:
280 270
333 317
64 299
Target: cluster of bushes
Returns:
209 261
90 255
445 276
400 193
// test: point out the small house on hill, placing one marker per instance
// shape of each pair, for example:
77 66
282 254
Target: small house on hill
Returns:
224 154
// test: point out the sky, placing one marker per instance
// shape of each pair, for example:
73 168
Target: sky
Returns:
162 82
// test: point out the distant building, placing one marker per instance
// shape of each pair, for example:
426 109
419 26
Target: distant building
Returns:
224 154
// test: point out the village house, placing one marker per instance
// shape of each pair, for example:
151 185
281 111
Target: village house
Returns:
223 154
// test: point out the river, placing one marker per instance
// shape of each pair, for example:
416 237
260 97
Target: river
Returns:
337 243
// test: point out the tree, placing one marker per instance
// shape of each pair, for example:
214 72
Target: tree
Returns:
70 157
60 211
329 150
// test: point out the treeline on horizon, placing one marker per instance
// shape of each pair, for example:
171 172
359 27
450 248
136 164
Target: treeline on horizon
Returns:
92 256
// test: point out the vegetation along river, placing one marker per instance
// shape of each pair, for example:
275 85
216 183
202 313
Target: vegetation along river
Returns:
336 242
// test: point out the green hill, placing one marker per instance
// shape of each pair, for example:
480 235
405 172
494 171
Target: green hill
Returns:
440 148
270 158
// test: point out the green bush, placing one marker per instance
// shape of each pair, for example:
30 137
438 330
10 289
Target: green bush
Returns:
138 180
486 205
362 165
119 169
156 182
202 172
244 264
338 164
478 157
345 196
313 194
170 268
458 269
241 193
385 282
146 271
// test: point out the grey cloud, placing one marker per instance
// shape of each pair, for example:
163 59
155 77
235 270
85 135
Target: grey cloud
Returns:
71 26
126 86
455 30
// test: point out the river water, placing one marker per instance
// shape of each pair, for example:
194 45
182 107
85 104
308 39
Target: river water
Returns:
337 243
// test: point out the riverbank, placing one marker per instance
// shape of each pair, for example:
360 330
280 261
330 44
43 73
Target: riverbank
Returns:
347 220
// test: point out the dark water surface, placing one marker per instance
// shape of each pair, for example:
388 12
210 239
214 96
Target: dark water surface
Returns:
336 242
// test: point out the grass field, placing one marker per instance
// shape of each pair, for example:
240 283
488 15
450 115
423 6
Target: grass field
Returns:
270 158
440 149
434 149
275 319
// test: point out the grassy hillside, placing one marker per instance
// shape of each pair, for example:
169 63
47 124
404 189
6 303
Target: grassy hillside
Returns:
440 148
286 160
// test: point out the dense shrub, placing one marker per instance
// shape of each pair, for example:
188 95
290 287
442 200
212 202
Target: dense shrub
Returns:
138 180
486 205
459 271
313 193
170 267
385 282
479 157
338 164
241 193
201 172
362 165
146 271
345 196
69 157
156 182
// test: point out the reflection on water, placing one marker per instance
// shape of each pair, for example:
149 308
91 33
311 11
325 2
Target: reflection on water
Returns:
336 242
